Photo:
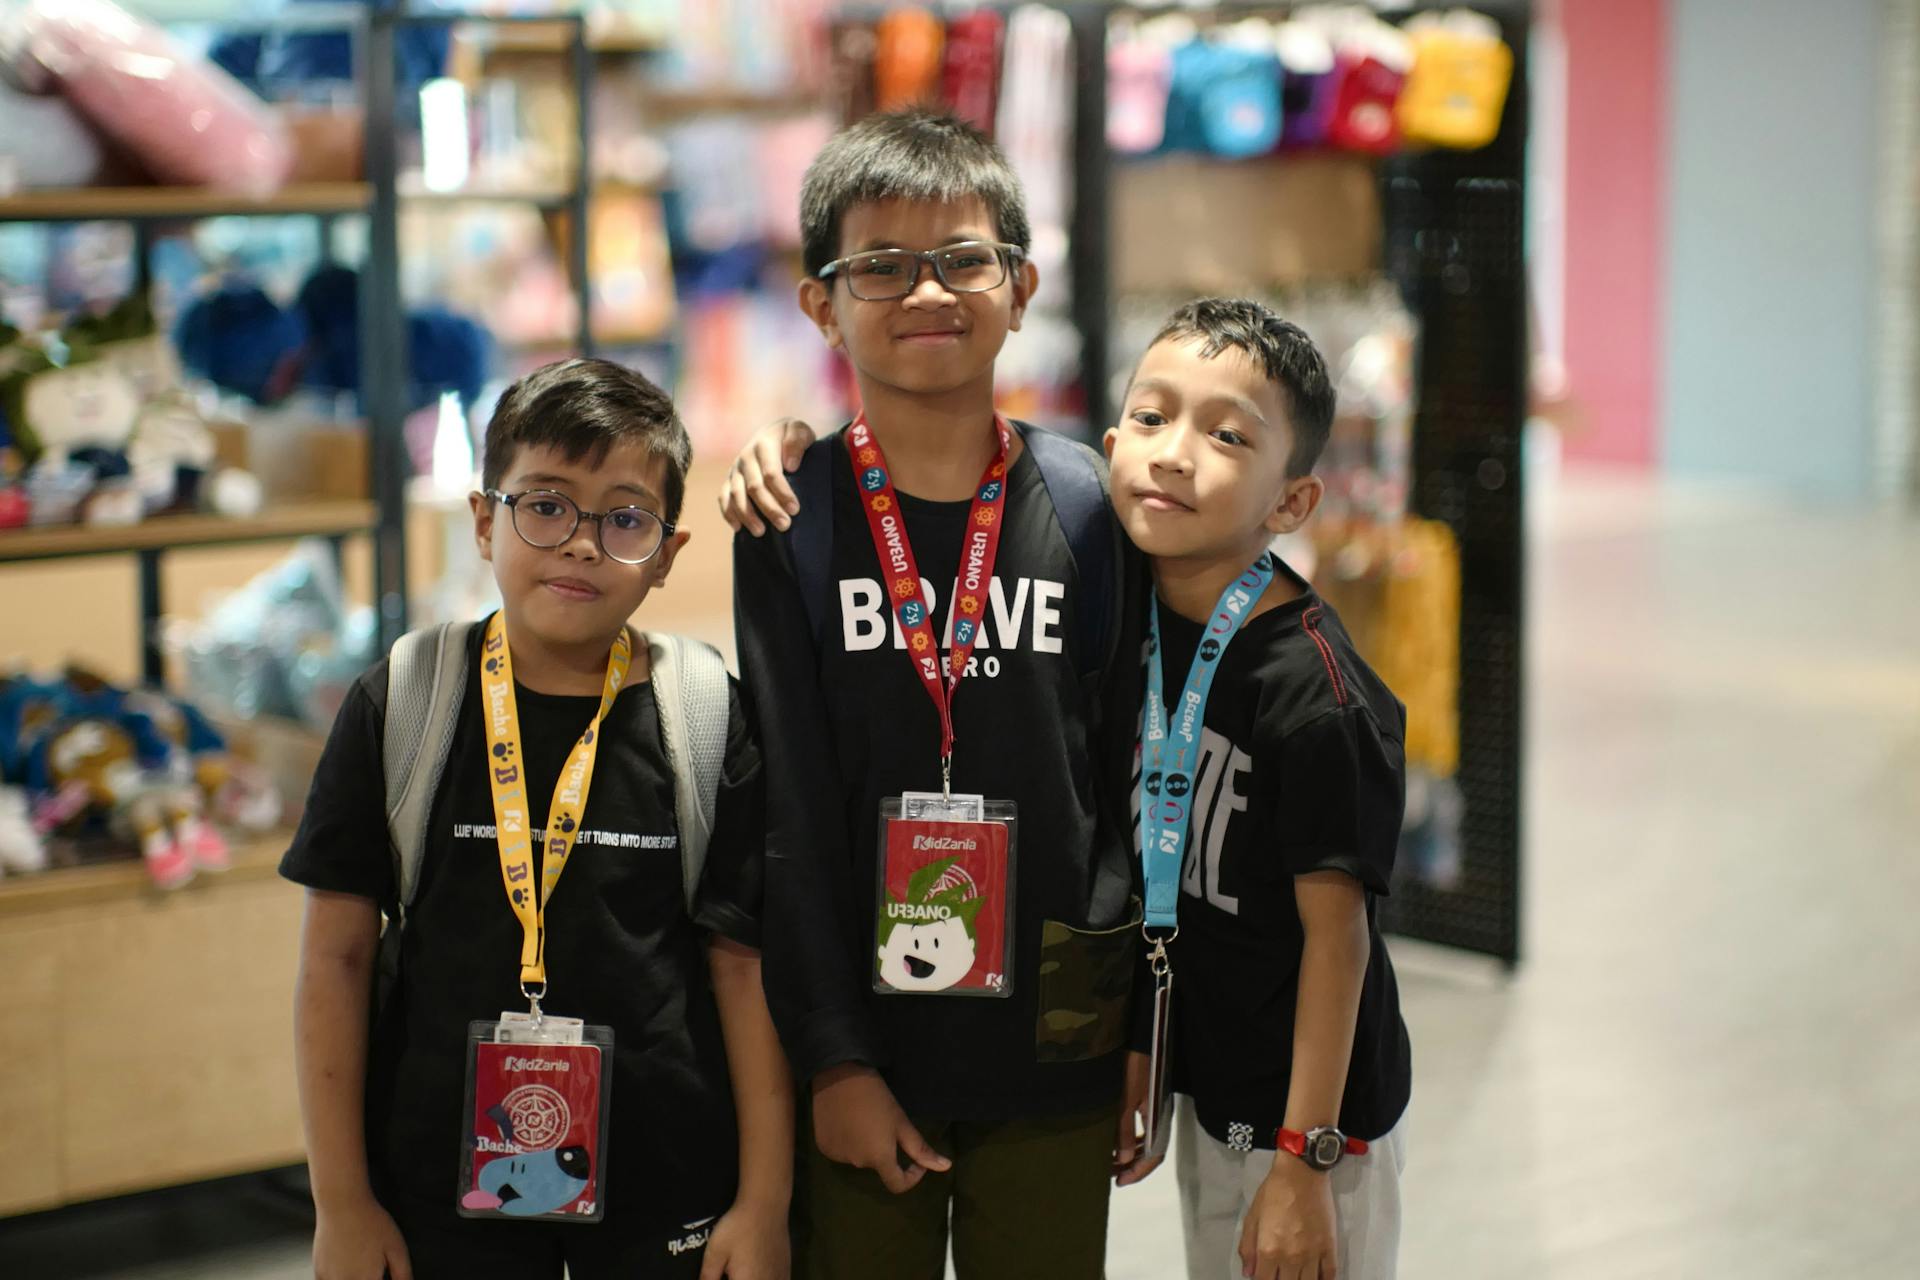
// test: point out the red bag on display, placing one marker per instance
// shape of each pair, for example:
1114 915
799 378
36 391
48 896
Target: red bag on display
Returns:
1364 104
971 81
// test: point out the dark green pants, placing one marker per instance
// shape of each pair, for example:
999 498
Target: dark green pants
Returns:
1025 1198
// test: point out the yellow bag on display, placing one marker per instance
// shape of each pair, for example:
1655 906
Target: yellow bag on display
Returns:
1458 88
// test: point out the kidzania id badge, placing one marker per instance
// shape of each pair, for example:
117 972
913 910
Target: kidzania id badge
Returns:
944 907
536 1119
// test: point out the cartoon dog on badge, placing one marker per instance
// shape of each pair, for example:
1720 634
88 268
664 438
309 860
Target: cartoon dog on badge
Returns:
927 940
529 1184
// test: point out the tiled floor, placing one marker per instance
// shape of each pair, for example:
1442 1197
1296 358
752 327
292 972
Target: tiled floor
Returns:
1709 1063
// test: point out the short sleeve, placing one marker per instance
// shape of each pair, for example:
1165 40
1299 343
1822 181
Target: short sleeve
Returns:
733 883
341 845
1343 793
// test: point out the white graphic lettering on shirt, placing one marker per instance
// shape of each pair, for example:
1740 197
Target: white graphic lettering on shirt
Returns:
603 839
1030 619
1217 796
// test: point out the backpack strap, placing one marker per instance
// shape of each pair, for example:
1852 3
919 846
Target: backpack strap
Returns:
690 692
1076 480
426 678
810 536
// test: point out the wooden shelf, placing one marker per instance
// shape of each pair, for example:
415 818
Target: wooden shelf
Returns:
732 100
299 519
125 879
557 37
144 204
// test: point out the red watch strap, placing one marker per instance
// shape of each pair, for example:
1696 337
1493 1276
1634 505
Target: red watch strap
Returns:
1294 1142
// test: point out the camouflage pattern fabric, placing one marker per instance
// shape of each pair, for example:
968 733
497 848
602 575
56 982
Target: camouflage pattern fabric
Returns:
1086 990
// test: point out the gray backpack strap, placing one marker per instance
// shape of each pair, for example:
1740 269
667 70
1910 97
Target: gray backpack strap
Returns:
690 692
426 678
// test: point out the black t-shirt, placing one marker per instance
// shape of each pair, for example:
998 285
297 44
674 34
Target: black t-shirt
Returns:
1302 769
621 950
849 723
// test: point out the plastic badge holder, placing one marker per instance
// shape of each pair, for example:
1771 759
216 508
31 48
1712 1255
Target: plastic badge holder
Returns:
539 1093
944 897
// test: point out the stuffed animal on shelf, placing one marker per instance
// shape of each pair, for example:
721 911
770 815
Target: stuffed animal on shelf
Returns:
98 759
21 849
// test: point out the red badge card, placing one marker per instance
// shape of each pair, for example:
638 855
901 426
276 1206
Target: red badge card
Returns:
944 917
536 1116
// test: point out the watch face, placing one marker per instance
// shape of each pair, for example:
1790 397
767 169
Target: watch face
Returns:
1326 1148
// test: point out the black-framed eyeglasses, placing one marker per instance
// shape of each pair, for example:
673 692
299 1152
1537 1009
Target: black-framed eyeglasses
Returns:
546 519
973 266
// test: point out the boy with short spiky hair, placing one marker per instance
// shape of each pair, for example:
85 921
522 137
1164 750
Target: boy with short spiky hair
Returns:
933 619
1271 786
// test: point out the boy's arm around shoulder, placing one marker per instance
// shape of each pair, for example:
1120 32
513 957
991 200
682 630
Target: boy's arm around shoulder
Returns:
814 984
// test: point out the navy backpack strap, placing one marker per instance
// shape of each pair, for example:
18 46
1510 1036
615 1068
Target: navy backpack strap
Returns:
810 536
1076 480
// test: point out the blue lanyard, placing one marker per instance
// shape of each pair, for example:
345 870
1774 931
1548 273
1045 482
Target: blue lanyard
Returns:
1165 786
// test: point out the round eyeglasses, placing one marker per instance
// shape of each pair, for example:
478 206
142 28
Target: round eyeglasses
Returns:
546 519
975 266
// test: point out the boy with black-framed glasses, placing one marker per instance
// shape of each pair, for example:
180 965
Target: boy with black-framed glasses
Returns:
951 965
636 1119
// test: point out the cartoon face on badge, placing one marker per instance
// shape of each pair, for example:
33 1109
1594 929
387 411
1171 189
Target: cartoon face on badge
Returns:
527 1186
927 940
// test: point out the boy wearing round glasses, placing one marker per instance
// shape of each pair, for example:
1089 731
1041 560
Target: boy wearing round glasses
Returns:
556 764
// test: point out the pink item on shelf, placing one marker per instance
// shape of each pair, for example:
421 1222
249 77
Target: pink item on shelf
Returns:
184 119
206 846
168 862
1139 74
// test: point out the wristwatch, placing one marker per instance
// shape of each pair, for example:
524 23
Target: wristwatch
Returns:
1321 1148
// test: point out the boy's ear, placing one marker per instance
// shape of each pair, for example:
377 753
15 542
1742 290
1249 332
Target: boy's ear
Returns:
662 563
1106 441
482 507
1297 504
816 303
1026 280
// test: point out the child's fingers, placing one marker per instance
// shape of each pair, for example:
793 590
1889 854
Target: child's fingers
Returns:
714 1265
736 508
899 1180
918 1150
399 1266
795 436
1137 1172
768 504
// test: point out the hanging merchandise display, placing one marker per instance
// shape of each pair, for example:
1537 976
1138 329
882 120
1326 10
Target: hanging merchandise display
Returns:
1307 90
1371 62
970 83
1139 76
1458 88
1240 99
908 44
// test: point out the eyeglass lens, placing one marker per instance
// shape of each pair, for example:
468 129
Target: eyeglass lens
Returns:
892 273
627 534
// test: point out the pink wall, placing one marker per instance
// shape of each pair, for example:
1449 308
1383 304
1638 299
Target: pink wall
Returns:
1614 223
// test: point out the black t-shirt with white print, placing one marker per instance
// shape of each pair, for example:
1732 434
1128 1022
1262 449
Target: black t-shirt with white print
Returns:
621 950
1301 769
848 723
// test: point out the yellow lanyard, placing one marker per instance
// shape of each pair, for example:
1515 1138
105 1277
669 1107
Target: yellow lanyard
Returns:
506 777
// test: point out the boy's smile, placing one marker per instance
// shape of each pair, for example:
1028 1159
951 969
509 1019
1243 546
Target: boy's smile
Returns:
1199 458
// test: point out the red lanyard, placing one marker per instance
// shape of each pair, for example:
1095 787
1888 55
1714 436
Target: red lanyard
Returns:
977 556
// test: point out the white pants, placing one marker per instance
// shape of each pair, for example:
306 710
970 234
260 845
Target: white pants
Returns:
1217 1186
